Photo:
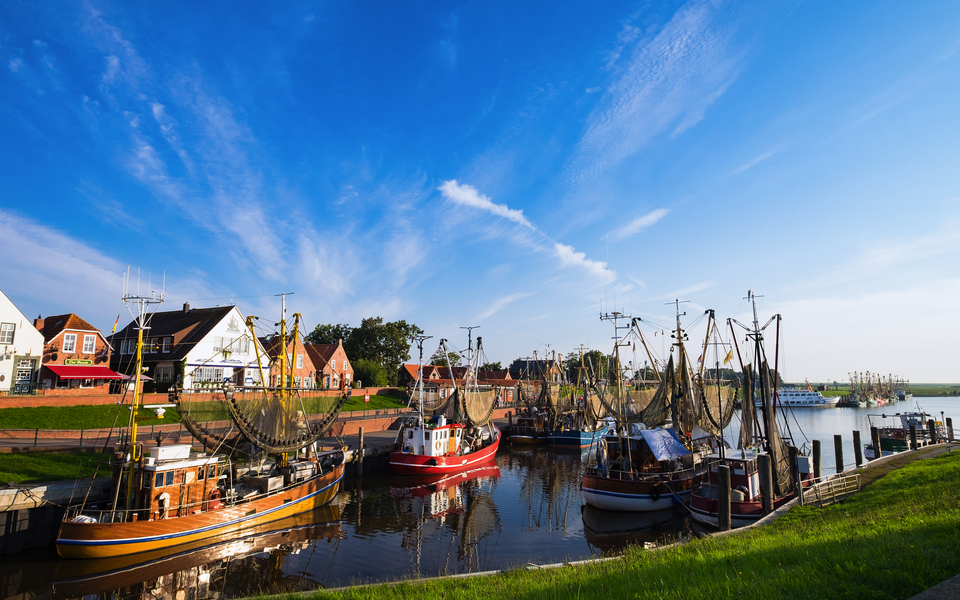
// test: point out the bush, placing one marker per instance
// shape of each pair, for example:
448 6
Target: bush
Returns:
370 373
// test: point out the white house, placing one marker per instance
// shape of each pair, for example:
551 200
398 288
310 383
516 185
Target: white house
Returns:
21 349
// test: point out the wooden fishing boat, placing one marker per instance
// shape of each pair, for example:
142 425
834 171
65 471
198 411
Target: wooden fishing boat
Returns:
764 433
459 435
576 416
168 495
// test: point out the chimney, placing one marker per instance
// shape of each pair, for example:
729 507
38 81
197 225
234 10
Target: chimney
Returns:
38 323
186 307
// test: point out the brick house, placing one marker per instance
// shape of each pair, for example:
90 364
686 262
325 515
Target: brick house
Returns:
333 368
21 350
201 346
76 356
304 371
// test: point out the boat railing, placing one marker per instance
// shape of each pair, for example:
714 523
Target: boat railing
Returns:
651 477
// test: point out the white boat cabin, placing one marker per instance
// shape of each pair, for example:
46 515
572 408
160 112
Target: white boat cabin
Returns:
744 472
435 437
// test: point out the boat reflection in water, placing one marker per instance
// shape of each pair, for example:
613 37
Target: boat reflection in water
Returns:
244 564
612 531
442 511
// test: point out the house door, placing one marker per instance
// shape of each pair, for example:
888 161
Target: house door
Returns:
24 376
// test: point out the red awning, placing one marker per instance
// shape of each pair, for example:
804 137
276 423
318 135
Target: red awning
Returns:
83 372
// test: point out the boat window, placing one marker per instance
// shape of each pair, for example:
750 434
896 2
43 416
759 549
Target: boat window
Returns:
168 478
201 473
158 480
410 435
444 434
213 471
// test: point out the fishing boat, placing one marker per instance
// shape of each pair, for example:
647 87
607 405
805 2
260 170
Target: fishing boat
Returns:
459 435
894 432
746 505
575 422
807 396
258 463
655 455
531 422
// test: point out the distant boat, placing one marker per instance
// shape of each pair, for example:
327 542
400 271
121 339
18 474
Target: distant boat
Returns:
799 397
576 414
459 435
895 435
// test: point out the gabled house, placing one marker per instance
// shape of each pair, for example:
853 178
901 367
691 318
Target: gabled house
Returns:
21 350
75 356
333 368
304 371
203 347
528 368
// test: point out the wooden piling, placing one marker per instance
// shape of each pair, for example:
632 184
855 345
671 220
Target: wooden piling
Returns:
766 483
816 460
875 438
857 448
723 501
932 430
913 436
360 450
795 472
949 429
838 451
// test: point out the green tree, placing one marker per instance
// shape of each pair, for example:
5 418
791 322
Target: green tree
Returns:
491 366
370 373
452 359
387 344
329 334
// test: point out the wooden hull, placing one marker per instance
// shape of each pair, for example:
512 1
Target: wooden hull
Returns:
406 463
104 540
638 495
573 438
705 510
527 439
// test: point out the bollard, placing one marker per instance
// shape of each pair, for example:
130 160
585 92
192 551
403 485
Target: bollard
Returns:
857 448
838 450
875 438
949 429
360 450
766 483
795 472
913 436
723 501
36 435
932 430
81 438
816 460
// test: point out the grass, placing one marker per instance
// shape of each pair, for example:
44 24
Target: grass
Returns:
104 416
896 538
36 467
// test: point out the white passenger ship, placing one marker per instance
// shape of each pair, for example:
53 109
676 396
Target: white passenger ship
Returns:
791 396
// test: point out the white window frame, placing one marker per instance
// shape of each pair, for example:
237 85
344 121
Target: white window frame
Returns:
299 361
69 343
7 332
333 364
167 344
89 343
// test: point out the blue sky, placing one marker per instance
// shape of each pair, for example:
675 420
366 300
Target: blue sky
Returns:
515 166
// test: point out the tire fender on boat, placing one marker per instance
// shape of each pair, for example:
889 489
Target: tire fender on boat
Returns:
655 492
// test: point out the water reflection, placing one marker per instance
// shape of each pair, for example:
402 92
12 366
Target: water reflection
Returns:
613 531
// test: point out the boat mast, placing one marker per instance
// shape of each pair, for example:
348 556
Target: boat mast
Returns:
142 304
420 339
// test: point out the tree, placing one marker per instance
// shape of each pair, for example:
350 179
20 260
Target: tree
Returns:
329 334
451 359
491 366
370 373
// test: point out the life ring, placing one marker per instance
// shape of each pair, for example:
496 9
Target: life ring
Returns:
215 495
439 445
898 433
655 492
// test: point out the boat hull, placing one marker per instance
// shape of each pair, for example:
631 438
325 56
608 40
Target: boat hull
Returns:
406 463
607 493
573 438
106 540
705 510
524 439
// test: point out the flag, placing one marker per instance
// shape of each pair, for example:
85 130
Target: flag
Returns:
728 357
115 323
700 359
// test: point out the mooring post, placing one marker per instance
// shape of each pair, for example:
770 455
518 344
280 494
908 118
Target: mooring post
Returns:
816 460
913 436
360 450
875 438
36 435
932 429
510 419
795 472
857 449
949 429
723 501
838 451
766 483
81 438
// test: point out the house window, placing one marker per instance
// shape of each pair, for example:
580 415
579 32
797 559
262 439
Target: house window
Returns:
217 344
167 345
333 364
208 374
89 344
164 373
299 361
345 367
69 342
243 346
6 332
296 382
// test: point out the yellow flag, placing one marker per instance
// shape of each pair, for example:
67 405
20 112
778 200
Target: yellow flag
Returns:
728 357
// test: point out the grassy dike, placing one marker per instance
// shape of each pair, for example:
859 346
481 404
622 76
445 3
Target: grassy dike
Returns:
898 537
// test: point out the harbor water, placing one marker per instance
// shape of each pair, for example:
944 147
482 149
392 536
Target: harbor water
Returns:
524 508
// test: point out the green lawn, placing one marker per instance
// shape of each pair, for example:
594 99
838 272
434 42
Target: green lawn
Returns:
36 467
896 538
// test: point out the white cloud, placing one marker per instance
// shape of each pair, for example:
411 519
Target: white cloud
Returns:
639 224
466 195
571 258
501 302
